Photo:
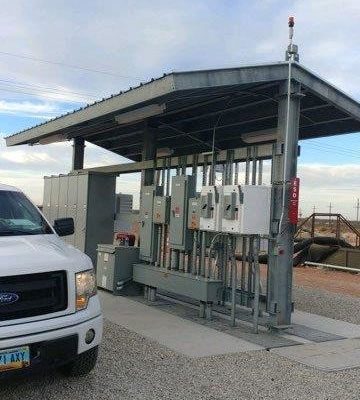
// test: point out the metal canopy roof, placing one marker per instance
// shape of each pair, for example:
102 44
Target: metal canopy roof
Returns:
183 108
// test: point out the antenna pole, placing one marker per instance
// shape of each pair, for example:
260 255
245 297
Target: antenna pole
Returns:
292 50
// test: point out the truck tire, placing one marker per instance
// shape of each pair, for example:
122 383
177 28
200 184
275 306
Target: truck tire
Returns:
82 365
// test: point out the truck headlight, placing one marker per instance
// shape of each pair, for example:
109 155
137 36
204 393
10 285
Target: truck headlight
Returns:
85 288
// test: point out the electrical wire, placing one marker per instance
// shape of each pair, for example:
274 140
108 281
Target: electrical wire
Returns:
62 64
46 88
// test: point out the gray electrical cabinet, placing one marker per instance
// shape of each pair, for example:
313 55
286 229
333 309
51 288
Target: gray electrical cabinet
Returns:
115 266
183 188
148 231
88 198
161 212
194 213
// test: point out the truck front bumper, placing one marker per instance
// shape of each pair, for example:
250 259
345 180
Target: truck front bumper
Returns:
56 341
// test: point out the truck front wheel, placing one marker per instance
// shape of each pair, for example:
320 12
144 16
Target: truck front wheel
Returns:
82 365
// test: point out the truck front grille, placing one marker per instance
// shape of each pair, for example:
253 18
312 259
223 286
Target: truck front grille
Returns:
33 295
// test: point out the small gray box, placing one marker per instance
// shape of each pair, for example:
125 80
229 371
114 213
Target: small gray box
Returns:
161 209
115 266
230 207
194 213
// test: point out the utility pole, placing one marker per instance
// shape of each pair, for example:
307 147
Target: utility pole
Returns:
330 209
314 209
357 206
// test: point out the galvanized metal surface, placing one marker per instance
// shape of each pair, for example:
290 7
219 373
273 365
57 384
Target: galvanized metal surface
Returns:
199 288
252 90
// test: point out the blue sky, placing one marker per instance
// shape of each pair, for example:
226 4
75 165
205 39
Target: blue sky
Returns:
128 41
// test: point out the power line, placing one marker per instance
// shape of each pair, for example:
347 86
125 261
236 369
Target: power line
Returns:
62 64
42 87
39 95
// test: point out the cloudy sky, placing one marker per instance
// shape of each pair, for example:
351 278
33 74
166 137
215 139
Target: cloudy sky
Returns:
56 56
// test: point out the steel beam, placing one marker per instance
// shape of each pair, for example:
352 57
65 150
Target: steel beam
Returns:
148 153
282 241
240 155
78 153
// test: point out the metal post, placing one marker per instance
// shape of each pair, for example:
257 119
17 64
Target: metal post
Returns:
231 245
236 178
78 153
194 255
260 173
282 246
203 253
148 153
256 309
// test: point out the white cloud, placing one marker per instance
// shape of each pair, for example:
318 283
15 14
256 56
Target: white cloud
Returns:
28 108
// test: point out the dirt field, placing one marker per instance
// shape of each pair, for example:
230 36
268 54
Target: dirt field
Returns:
332 281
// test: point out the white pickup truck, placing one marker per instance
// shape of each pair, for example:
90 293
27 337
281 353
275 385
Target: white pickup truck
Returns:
50 315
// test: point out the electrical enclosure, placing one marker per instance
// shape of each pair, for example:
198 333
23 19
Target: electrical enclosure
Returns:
183 188
210 200
88 198
194 213
115 266
161 209
148 231
246 209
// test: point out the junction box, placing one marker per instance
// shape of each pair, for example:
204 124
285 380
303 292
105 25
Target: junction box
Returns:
245 209
183 188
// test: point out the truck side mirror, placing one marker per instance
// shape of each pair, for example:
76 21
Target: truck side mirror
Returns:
64 226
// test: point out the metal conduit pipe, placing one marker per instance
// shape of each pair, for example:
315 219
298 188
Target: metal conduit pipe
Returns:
203 253
194 254
250 282
233 280
260 174
158 255
256 305
236 177
181 261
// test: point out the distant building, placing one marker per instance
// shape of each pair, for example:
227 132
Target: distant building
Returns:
124 203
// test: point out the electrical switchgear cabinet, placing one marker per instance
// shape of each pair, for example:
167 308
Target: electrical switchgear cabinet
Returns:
148 231
161 209
183 188
194 213
88 198
115 266
211 199
246 209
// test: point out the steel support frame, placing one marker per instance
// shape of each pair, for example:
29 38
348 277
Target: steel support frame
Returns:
281 243
78 153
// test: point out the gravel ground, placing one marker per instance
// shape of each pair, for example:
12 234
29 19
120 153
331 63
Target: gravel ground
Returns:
131 367
328 304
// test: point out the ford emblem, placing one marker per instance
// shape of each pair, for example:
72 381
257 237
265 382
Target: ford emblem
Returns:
8 298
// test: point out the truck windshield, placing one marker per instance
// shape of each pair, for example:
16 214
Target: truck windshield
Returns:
18 216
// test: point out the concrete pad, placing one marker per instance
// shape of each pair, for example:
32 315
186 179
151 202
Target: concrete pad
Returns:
327 325
178 334
326 356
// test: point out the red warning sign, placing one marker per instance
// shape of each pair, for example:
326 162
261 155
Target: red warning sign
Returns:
294 201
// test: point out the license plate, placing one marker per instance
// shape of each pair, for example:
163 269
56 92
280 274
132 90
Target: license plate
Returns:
14 358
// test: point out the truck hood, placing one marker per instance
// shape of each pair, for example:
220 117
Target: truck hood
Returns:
39 253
